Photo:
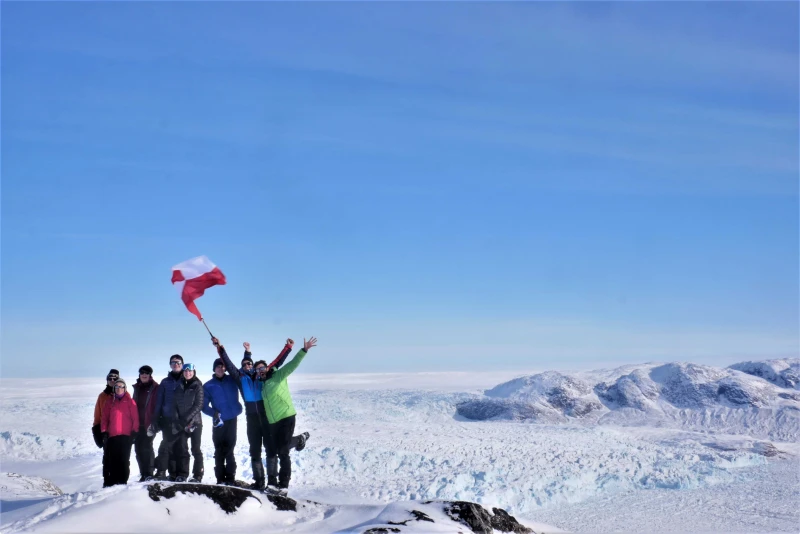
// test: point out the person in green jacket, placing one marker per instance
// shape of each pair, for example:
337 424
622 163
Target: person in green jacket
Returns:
281 416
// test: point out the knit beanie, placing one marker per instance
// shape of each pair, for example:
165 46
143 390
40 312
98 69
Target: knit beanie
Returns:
146 369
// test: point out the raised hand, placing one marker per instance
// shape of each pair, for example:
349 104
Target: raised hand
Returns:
246 346
215 341
290 342
310 343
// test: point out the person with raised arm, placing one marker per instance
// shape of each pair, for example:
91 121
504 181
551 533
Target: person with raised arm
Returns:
221 403
250 388
281 415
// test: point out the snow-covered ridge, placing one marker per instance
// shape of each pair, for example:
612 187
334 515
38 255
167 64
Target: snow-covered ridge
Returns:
199 508
759 399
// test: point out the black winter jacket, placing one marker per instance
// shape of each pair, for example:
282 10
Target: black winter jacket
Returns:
188 403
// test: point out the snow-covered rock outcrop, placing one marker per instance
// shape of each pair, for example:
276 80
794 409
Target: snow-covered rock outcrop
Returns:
198 508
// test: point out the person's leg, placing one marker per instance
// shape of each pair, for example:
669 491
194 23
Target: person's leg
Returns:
149 454
272 453
283 442
217 436
125 459
230 447
255 438
166 449
182 457
198 469
112 460
106 467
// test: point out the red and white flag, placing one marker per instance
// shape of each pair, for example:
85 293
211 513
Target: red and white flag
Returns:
193 277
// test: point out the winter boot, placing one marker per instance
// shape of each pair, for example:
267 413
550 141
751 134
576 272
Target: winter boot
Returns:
161 475
299 442
258 475
219 472
272 471
180 479
198 476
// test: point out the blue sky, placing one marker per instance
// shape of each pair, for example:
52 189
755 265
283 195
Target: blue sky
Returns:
423 186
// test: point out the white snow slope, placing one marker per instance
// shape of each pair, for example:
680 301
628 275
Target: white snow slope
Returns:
550 445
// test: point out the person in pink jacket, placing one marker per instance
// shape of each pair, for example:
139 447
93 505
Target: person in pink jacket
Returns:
119 427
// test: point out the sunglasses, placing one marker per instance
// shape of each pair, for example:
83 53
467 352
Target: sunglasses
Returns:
119 387
261 369
247 364
176 362
111 377
148 374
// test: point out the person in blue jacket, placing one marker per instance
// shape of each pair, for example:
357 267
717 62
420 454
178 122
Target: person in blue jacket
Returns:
221 403
250 388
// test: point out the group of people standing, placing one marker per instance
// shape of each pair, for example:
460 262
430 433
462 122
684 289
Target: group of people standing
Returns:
174 406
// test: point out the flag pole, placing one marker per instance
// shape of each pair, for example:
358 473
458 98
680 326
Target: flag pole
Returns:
209 331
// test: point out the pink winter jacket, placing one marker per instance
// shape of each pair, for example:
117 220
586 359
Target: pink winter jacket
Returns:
120 417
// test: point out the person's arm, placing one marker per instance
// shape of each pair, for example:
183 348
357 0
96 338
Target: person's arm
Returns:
280 374
97 412
135 417
159 405
287 349
105 419
229 366
197 405
207 409
96 433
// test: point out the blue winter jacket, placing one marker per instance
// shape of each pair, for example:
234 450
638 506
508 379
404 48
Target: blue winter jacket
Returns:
166 395
221 395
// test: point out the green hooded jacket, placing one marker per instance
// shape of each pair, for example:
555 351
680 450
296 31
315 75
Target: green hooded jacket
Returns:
275 391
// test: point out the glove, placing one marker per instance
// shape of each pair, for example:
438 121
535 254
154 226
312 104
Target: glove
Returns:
152 430
217 420
105 438
98 438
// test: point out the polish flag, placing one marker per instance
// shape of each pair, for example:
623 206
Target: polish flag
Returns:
193 277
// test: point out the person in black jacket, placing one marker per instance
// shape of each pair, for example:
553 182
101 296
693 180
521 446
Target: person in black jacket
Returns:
145 395
188 403
162 419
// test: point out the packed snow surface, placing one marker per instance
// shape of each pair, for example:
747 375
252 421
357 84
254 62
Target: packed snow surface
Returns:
535 445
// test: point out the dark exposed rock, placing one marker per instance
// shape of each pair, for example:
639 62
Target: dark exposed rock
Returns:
765 448
479 520
735 393
504 522
473 515
790 396
420 516
381 530
485 409
229 498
